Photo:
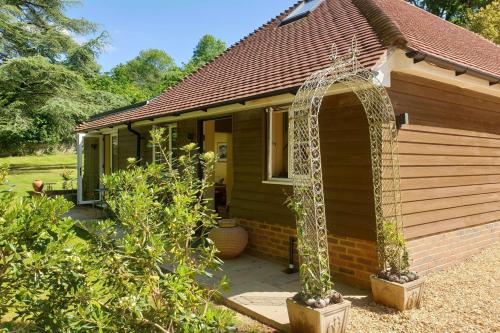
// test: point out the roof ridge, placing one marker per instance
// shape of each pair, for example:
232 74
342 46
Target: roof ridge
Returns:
388 31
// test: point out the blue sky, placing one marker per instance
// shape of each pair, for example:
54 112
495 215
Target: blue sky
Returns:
172 25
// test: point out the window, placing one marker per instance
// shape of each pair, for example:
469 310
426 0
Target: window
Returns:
278 152
114 153
302 10
170 143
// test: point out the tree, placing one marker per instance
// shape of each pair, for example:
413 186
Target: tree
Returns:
40 27
153 71
455 11
486 21
207 49
41 103
140 78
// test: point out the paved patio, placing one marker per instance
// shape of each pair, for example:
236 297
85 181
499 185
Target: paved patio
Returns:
86 213
259 289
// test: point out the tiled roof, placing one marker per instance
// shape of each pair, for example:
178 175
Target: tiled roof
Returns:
275 58
435 36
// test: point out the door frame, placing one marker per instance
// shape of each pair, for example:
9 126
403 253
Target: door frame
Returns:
79 167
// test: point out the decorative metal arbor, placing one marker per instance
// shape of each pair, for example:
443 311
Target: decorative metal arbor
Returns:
306 161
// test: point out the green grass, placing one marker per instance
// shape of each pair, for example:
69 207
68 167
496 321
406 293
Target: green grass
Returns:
24 169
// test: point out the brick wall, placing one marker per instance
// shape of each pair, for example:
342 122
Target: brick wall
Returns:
437 252
352 260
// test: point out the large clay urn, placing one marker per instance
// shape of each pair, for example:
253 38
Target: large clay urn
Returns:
229 238
38 185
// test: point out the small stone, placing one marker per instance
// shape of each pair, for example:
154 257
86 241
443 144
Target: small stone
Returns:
320 304
412 276
393 278
310 301
336 298
404 278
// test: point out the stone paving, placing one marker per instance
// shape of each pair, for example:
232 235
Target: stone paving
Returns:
86 213
259 289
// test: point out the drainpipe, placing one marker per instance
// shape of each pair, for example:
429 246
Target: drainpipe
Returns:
138 147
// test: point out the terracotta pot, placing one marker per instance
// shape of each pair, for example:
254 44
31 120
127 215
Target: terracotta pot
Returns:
395 295
229 238
38 185
331 319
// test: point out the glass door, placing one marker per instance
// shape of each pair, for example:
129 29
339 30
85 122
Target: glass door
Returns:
89 168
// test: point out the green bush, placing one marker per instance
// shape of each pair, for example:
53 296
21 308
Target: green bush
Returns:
137 272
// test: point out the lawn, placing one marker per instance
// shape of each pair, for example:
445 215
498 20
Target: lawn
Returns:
24 169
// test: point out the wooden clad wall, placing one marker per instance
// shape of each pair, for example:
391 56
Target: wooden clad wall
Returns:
346 170
449 156
127 145
252 199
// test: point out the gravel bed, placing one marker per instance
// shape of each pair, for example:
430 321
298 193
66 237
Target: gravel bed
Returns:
464 298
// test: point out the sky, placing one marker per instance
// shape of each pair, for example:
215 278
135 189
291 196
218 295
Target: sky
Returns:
174 26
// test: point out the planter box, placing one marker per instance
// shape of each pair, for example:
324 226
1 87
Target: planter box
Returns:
399 296
331 319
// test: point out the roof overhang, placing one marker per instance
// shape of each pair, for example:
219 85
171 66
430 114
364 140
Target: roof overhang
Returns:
434 68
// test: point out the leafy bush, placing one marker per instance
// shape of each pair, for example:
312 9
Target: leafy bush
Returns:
161 216
392 248
138 272
43 275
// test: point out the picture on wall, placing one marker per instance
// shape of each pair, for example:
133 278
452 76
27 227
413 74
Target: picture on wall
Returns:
222 151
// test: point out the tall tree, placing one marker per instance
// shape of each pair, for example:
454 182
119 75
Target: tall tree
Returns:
41 102
40 27
455 11
207 49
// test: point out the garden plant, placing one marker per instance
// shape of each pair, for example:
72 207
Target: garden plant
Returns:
136 272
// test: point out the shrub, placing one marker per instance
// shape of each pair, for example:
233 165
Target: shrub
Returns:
154 249
138 272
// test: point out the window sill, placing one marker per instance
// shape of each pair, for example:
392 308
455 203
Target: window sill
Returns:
275 181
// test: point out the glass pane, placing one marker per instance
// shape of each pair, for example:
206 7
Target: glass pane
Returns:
90 172
114 152
279 153
302 10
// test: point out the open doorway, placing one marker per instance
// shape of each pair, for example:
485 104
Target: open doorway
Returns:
218 137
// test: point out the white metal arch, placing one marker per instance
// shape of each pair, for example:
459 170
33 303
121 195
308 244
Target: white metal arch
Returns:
306 162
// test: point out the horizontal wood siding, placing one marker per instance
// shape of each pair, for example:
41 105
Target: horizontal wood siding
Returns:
450 170
127 145
252 199
346 170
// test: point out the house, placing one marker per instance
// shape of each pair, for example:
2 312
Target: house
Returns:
443 83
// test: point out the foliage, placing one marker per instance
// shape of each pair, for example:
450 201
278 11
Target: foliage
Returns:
153 71
486 21
39 27
455 11
137 273
207 49
163 217
140 78
41 103
44 75
313 285
42 265
68 179
392 250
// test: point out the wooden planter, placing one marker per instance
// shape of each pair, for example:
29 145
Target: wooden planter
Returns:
331 319
395 295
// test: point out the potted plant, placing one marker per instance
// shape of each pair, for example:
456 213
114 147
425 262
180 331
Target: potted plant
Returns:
395 285
317 308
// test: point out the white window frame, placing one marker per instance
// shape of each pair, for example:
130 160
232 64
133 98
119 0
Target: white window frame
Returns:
170 146
269 179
